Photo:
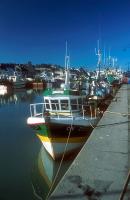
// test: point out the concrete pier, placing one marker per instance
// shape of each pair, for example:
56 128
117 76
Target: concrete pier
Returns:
100 170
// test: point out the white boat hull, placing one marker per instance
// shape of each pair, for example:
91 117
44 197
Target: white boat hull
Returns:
66 121
75 121
53 132
59 146
3 89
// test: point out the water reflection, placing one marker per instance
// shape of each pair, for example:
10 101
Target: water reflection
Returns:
19 146
44 168
22 95
44 173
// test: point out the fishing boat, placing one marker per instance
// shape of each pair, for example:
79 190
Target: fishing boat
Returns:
100 88
64 117
3 90
17 81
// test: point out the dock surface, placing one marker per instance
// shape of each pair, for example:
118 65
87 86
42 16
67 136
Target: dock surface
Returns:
100 169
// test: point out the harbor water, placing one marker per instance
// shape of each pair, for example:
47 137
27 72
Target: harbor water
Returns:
26 170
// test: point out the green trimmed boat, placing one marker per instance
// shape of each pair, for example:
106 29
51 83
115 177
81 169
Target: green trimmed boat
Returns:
64 117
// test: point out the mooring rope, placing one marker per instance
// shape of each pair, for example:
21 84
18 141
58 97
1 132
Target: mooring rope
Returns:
125 187
117 113
107 111
60 162
35 194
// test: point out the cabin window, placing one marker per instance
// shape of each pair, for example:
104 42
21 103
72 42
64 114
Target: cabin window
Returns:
55 104
64 105
47 105
73 103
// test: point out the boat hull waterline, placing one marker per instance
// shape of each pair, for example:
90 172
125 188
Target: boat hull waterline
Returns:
54 136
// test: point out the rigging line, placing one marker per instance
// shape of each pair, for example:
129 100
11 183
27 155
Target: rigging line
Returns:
91 125
35 194
118 113
125 187
60 162
116 123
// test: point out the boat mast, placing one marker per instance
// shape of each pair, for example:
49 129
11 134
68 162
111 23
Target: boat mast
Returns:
114 60
67 63
104 54
109 58
98 53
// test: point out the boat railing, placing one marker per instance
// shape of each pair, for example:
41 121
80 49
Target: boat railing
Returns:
39 110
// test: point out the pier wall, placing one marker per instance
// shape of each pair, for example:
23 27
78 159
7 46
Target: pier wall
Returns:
100 169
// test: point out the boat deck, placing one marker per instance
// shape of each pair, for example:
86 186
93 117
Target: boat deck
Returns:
101 168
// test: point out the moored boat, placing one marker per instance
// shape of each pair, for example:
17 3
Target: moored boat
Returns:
63 119
17 81
100 87
3 89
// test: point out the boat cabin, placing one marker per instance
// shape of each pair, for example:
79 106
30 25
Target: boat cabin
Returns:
64 103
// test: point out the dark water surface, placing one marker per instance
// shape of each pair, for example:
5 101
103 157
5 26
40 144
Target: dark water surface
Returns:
19 147
26 170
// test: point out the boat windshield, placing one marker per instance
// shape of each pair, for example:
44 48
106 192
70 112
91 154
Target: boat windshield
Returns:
55 105
68 104
64 104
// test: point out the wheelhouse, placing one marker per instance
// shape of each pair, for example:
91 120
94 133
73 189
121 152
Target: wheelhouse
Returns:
64 103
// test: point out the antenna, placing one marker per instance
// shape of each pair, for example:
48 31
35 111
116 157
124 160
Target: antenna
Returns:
67 63
109 57
104 55
98 53
67 58
114 60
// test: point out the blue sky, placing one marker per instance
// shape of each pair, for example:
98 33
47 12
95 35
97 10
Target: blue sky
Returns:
37 30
